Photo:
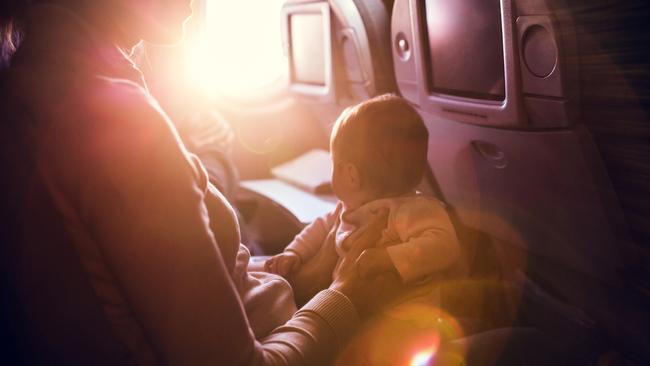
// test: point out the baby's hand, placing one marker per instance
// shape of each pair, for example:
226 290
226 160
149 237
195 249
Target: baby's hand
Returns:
374 261
283 264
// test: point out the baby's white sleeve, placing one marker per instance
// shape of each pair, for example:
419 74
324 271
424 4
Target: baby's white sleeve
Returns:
428 240
307 243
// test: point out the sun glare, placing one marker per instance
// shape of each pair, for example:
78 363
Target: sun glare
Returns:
423 358
240 50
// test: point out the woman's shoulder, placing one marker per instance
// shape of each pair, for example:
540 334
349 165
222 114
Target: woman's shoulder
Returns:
79 100
121 101
124 110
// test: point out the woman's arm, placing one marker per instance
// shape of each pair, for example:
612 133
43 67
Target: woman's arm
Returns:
143 204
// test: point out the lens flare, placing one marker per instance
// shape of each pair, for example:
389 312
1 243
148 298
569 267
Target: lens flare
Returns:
423 358
406 335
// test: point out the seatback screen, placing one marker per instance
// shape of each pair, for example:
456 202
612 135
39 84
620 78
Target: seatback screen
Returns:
465 48
307 48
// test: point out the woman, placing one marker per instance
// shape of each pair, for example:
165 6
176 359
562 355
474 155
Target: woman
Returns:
110 257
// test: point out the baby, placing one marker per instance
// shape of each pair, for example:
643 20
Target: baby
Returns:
379 153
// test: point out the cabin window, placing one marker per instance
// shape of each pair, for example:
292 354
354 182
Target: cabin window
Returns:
239 52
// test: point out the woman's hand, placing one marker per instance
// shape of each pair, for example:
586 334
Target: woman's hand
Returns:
346 276
374 261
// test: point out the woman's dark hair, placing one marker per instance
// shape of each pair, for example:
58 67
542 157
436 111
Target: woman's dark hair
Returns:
11 28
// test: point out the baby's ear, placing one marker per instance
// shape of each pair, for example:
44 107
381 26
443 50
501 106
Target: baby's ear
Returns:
354 175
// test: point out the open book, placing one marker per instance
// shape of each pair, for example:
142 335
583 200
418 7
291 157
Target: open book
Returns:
311 171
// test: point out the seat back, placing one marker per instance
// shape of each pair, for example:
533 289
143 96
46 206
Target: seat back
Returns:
358 65
522 175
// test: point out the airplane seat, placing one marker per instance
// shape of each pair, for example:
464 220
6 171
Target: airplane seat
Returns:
376 18
348 46
527 190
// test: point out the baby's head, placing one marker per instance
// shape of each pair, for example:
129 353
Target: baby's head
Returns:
379 149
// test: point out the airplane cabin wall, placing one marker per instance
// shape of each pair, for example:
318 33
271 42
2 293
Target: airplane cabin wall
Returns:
538 184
